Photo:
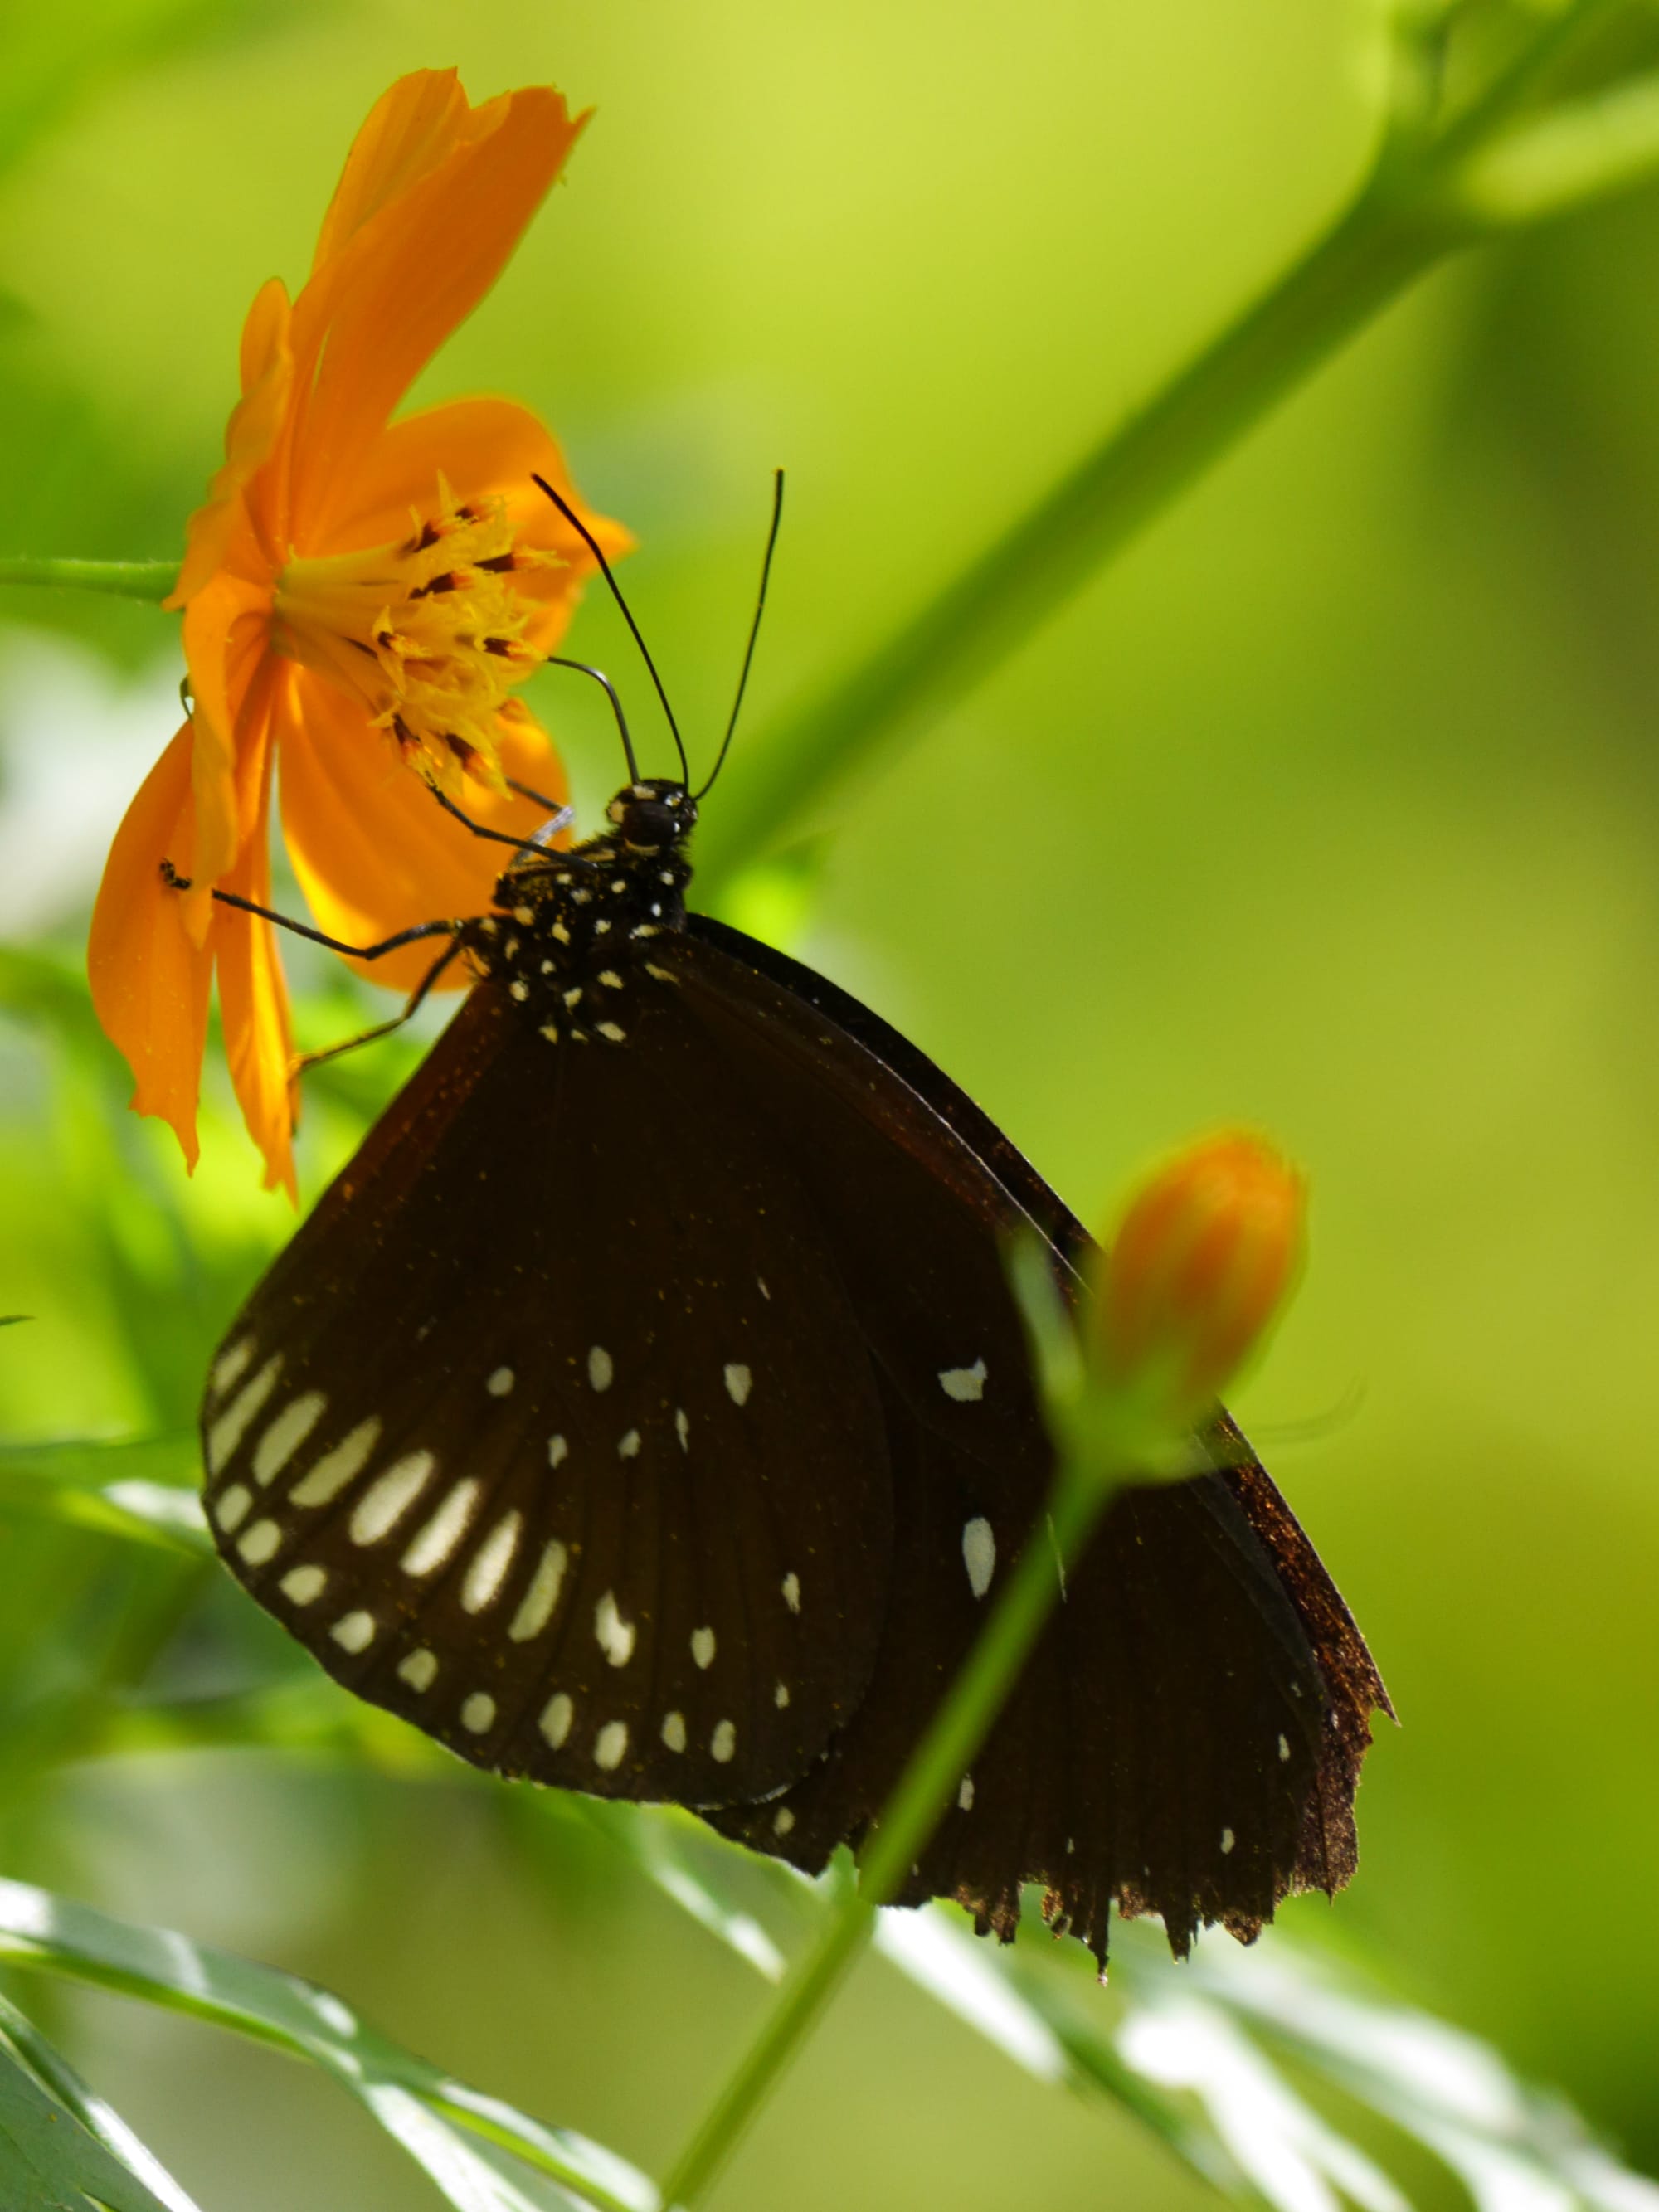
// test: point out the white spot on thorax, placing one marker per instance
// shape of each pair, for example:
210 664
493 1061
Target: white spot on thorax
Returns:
1228 1839
613 1030
389 1496
792 1592
535 1607
556 1716
611 978
262 1542
478 1713
702 1646
683 1428
286 1434
487 1570
600 1368
739 1381
419 1670
335 1468
518 988
780 1696
354 1631
303 1585
673 1731
442 1533
232 1426
231 1510
524 916
965 1794
979 1555
550 1031
723 1744
610 1745
630 1446
499 1382
557 1450
615 1635
965 1384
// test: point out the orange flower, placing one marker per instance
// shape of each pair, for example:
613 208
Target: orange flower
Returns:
1202 1262
359 597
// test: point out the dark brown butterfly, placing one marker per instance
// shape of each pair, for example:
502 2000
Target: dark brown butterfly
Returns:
644 1410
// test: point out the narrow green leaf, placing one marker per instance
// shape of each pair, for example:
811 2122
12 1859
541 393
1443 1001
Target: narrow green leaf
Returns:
125 1489
62 2148
484 2155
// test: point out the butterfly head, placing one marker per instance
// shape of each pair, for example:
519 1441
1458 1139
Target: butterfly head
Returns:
652 815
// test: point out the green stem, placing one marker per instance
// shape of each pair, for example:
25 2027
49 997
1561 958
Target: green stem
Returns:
1411 216
125 580
1082 1490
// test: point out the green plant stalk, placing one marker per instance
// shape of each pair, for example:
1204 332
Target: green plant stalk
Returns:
1083 1486
1410 216
125 579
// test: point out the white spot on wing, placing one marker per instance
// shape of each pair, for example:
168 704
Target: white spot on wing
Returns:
442 1533
419 1670
556 1716
780 1696
702 1646
230 1366
979 1555
965 1384
478 1713
389 1496
1228 1839
499 1382
610 1746
262 1542
965 1794
782 1820
723 1744
303 1585
791 1591
630 1446
335 1468
354 1631
487 1570
231 1510
738 1383
1284 1749
615 1635
286 1434
600 1368
535 1607
233 1425
557 1451
673 1731
683 1428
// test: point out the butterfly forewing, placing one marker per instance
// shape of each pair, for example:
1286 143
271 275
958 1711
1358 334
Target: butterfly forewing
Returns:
583 1532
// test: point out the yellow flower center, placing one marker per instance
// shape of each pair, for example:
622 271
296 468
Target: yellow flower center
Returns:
429 634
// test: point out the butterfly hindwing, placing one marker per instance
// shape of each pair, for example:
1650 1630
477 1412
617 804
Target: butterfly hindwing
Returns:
570 1334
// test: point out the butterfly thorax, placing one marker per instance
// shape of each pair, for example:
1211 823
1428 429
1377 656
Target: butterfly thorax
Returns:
572 936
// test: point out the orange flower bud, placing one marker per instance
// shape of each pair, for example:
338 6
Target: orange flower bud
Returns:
1202 1261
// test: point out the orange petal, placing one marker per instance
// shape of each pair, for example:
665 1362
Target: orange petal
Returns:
149 982
407 133
373 849
252 995
408 275
226 635
221 529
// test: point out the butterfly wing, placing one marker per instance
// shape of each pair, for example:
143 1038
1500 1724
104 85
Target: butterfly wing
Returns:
1186 1737
511 1435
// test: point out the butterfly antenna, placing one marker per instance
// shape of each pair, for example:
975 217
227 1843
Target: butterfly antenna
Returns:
554 660
754 631
593 547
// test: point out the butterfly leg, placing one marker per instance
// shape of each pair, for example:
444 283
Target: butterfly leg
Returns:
304 1059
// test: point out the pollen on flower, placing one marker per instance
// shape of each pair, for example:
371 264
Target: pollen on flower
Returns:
427 632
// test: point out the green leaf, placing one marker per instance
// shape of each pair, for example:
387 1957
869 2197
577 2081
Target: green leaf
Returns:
482 2153
62 2148
128 1489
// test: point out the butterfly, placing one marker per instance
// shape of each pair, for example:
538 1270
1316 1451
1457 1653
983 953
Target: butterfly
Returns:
644 1410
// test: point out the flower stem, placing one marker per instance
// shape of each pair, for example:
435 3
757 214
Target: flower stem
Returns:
1082 1488
1412 214
125 580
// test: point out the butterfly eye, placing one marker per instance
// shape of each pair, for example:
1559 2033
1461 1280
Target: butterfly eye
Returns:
647 823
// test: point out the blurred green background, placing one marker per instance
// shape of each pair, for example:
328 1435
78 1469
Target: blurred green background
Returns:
1334 807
